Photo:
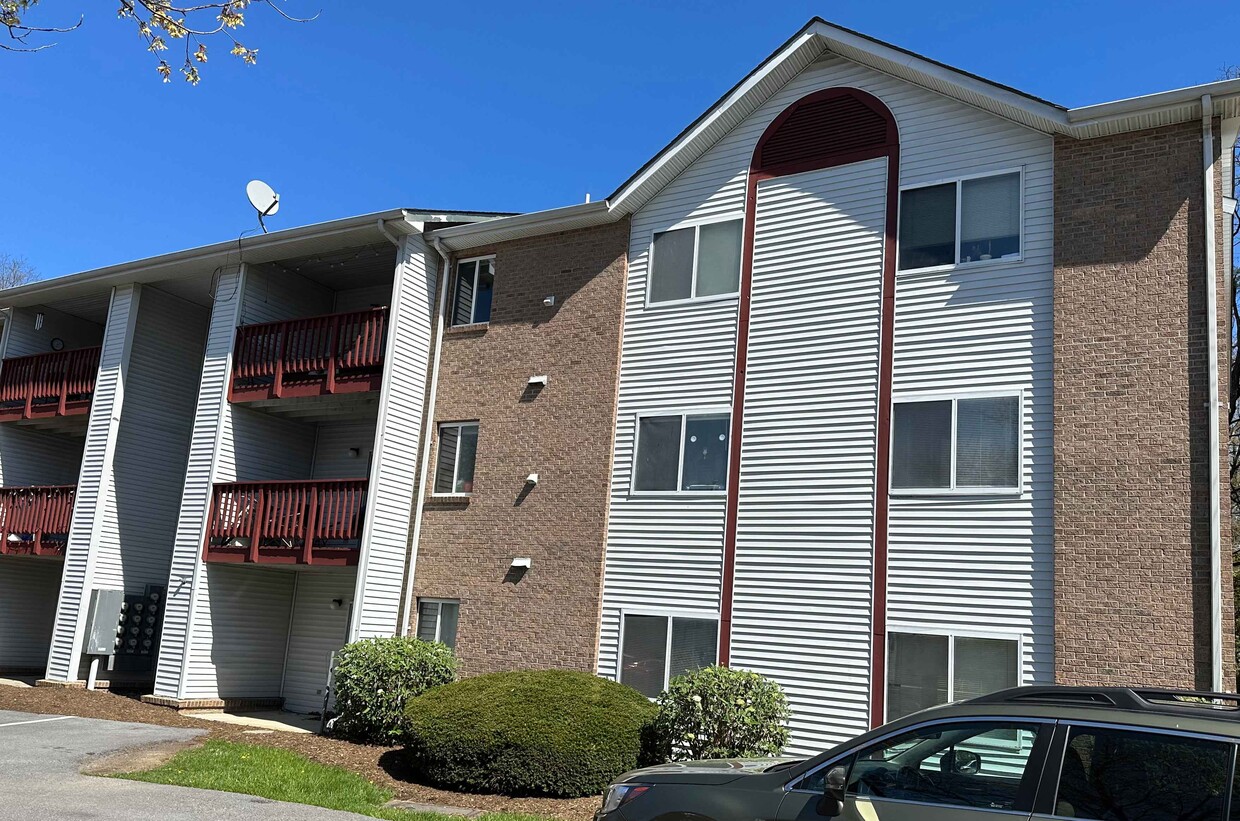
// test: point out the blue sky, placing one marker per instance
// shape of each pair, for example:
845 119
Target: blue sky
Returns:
479 105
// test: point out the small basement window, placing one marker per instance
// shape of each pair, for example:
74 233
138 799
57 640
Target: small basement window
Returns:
657 648
926 670
694 262
967 443
471 300
969 220
454 467
437 619
682 453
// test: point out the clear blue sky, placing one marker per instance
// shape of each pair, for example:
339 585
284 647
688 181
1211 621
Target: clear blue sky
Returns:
473 105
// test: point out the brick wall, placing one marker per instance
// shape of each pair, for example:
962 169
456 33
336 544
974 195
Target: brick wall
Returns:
1132 574
549 616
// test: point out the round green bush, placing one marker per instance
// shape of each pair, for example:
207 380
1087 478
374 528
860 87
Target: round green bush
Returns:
374 678
720 712
531 732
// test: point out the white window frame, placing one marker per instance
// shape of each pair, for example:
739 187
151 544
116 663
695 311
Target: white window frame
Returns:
667 648
952 634
451 308
959 183
456 463
693 298
968 490
438 614
680 463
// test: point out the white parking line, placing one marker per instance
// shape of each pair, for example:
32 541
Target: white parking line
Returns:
36 721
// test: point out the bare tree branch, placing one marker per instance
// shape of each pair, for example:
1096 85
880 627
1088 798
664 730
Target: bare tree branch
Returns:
15 271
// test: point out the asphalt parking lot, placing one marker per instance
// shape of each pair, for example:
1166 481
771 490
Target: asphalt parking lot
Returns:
41 761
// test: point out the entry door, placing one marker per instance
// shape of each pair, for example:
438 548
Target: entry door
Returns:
805 523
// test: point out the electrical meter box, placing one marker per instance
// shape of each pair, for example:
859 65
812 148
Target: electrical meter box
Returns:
101 619
138 628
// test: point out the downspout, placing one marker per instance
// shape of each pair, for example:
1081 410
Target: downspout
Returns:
1212 400
427 428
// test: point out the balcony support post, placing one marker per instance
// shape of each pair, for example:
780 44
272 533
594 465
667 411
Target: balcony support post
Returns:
277 379
256 529
312 516
332 354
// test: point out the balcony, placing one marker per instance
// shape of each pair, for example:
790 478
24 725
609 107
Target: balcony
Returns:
305 522
49 384
34 521
322 355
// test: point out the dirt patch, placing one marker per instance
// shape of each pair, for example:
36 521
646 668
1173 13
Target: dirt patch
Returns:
137 759
384 766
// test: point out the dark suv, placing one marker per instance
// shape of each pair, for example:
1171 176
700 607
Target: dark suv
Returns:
1113 754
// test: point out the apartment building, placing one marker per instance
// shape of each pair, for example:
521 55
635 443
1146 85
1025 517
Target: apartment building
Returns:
889 382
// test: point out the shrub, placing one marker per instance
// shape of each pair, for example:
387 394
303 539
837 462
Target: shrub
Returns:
719 712
532 732
374 679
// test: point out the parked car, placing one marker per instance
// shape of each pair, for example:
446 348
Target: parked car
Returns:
1114 754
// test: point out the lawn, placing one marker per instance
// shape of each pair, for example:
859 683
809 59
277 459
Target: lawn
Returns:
282 775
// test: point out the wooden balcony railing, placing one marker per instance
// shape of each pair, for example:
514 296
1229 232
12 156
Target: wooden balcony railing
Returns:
337 353
48 384
305 522
34 521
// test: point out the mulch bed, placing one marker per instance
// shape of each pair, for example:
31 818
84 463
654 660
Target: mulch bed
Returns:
384 766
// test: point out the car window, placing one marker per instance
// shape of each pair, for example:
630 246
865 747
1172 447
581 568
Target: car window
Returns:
973 764
1124 775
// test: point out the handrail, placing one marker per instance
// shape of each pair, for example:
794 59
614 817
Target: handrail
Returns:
293 520
35 520
319 352
48 384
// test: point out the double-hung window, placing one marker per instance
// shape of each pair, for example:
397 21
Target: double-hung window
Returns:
695 262
656 648
925 670
437 619
965 443
682 452
968 220
454 467
471 299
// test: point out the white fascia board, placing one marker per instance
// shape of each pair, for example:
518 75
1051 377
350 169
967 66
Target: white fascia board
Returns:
567 218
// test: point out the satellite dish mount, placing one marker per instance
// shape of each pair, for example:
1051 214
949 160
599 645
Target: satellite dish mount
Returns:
265 200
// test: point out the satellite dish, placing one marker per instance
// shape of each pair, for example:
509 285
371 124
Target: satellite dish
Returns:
265 200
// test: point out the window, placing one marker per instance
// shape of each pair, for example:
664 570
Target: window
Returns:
699 261
656 649
968 220
475 280
968 764
951 444
926 670
437 620
1109 774
458 447
682 452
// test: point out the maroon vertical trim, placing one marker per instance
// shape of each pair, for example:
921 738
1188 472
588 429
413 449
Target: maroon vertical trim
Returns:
836 150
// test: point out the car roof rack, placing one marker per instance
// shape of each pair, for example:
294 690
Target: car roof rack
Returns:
1140 699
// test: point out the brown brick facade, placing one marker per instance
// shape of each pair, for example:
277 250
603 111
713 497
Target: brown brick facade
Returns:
1132 570
547 617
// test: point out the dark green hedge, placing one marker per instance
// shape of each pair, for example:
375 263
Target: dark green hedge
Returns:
374 678
536 732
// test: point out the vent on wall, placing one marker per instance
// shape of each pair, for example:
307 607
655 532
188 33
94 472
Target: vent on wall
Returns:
819 127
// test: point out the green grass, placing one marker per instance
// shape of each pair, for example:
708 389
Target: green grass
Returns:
285 776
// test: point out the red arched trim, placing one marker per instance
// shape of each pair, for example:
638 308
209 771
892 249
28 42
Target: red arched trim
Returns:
837 126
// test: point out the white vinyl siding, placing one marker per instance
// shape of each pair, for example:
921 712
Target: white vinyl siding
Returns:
34 457
144 499
361 299
318 629
28 589
982 326
394 467
93 486
24 340
334 447
260 447
272 295
187 569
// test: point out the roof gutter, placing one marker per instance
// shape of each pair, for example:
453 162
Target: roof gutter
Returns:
1212 401
476 234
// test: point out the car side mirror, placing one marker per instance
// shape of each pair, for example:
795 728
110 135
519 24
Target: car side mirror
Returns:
831 803
966 762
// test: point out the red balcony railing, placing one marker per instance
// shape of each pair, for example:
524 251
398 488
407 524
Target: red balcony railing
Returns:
307 522
48 384
34 521
337 353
